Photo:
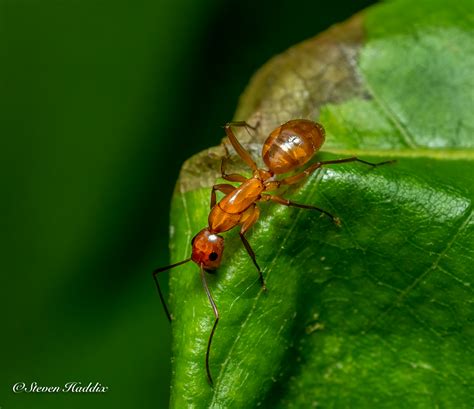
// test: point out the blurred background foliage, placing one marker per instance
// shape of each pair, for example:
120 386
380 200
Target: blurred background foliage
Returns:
101 102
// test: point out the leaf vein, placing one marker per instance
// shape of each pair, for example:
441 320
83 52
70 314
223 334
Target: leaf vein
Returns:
407 138
433 267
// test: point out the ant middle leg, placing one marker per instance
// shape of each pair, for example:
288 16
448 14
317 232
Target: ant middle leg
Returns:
222 187
310 169
232 177
248 219
289 203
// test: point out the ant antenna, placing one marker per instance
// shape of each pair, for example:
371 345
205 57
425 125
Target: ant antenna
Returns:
155 277
209 296
216 315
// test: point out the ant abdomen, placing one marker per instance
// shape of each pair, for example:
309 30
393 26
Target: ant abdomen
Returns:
292 144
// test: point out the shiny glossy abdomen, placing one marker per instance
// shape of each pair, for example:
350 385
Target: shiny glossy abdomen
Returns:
292 145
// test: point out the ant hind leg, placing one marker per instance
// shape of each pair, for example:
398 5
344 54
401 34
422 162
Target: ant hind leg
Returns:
290 180
241 151
356 159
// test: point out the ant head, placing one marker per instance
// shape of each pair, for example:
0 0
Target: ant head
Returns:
207 249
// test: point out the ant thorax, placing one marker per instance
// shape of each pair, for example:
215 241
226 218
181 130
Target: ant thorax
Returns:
263 174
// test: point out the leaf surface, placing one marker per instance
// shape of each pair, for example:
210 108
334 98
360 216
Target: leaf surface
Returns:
376 313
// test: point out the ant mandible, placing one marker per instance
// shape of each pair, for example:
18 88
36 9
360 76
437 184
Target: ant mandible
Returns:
288 147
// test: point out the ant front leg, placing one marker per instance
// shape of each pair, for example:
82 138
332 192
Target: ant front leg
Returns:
289 203
310 169
248 219
222 187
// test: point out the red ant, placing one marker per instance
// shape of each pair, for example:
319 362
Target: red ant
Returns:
288 147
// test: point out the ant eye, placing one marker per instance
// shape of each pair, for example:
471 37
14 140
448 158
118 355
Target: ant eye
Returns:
213 256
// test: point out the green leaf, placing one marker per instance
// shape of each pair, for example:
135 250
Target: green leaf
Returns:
376 313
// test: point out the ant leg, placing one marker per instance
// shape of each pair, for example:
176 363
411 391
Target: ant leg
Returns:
289 203
310 169
155 277
233 177
356 159
236 144
243 124
224 188
248 220
216 315
290 180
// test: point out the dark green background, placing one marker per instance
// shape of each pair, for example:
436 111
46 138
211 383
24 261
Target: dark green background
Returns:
101 102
